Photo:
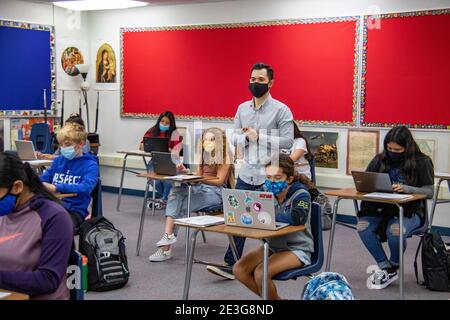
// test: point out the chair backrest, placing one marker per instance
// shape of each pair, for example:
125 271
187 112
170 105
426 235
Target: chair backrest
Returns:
41 137
312 166
97 203
76 259
316 229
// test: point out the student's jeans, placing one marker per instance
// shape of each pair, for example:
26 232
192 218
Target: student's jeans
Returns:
162 187
367 227
239 241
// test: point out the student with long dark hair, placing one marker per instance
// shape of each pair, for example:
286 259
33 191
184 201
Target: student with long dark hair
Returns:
411 171
165 127
36 234
301 153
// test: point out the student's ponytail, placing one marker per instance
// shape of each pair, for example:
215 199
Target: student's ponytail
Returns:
287 165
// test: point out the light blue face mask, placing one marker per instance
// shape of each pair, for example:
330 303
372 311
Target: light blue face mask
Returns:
163 128
68 152
7 204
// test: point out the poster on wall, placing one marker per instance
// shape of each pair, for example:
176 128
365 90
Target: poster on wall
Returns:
106 66
69 53
362 146
21 128
323 146
428 146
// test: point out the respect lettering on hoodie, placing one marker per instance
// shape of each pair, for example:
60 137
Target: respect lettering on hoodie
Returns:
65 178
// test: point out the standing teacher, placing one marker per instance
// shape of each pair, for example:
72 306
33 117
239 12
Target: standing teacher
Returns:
262 126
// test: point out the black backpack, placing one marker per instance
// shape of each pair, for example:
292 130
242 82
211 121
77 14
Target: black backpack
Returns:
435 263
104 247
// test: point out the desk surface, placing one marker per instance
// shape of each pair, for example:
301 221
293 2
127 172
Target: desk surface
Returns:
351 193
14 295
154 176
39 163
247 232
442 175
135 153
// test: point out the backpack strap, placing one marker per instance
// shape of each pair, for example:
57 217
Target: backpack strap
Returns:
415 263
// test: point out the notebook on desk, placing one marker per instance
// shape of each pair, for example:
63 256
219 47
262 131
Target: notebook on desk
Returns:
387 196
201 221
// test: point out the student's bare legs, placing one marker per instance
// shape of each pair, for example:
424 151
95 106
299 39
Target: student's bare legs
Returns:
245 267
278 262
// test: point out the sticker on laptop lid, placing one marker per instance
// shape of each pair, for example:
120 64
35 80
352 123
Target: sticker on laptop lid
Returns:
257 207
248 199
246 219
233 201
231 217
266 196
264 218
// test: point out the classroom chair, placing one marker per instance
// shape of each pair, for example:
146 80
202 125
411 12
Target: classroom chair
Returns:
316 257
41 137
77 260
97 203
312 166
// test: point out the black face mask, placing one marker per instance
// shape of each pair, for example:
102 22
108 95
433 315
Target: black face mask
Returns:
258 89
396 156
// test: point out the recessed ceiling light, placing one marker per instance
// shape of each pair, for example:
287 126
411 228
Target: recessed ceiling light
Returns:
99 4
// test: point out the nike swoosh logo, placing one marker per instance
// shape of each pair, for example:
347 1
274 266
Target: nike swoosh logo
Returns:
7 238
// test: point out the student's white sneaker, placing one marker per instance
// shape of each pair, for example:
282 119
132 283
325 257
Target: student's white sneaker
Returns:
167 240
382 278
160 255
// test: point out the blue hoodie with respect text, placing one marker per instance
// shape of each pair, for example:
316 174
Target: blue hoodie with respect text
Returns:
79 175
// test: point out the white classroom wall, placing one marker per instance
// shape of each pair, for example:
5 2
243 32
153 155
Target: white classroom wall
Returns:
124 133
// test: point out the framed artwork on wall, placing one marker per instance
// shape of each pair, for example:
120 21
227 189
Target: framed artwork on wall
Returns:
428 146
362 146
323 146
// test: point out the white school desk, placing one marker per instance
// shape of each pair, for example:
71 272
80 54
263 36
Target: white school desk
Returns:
127 153
231 231
441 176
352 194
151 176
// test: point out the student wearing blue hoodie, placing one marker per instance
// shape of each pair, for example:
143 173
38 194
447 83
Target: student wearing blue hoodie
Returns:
292 206
73 172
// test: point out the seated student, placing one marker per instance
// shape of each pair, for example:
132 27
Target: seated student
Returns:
165 127
293 204
300 153
214 160
73 118
73 172
36 234
410 171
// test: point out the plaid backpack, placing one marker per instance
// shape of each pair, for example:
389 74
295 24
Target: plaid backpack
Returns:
328 286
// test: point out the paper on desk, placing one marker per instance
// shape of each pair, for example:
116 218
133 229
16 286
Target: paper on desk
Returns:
445 174
201 221
38 162
4 295
389 196
182 177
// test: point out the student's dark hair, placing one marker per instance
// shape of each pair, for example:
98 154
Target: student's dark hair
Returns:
298 134
403 137
75 118
287 165
172 127
261 66
13 169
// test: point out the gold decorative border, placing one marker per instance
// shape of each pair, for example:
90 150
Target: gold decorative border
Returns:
356 19
364 65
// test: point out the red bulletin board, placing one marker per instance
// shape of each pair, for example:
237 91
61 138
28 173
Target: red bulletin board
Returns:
202 72
407 70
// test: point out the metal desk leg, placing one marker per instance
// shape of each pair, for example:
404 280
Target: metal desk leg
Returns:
434 202
190 260
124 165
265 285
401 236
331 240
188 229
233 248
141 225
153 196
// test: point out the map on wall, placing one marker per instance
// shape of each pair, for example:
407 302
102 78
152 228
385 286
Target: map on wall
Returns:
362 146
324 148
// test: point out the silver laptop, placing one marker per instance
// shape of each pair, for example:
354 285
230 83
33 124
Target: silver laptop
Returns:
250 209
25 150
372 181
